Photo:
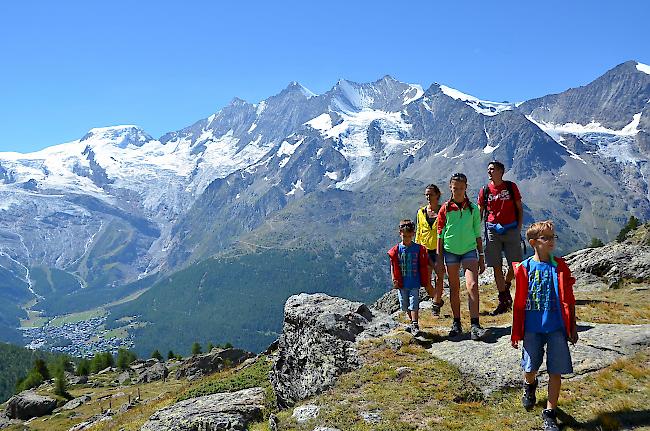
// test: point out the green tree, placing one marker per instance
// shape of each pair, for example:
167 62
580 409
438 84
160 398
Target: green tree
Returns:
210 347
227 346
33 380
595 243
125 358
156 355
631 224
61 384
101 361
41 367
171 355
83 367
196 348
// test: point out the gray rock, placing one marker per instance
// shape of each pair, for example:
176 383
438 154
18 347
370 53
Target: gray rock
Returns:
6 422
28 404
208 363
326 429
123 377
318 343
305 413
494 364
73 404
223 411
403 372
92 421
604 267
273 422
146 374
373 417
388 302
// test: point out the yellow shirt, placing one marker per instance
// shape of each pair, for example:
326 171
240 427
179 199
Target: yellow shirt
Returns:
425 234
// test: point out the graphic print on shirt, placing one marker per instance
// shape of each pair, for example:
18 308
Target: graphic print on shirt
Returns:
408 265
540 291
504 195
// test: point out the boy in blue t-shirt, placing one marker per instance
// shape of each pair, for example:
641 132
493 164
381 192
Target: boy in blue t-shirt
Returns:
409 270
544 316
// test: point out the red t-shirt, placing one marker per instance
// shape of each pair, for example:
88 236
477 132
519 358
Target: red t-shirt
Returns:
501 208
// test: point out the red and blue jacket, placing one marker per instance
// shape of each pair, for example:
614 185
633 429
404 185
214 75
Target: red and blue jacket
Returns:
565 284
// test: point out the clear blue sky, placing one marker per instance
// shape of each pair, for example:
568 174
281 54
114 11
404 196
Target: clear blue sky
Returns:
68 66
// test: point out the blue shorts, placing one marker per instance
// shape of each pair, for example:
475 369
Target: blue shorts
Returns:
409 299
453 259
558 357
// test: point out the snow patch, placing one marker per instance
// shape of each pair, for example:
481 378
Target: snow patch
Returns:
489 149
554 130
416 90
296 186
331 175
287 148
322 122
643 68
484 107
252 127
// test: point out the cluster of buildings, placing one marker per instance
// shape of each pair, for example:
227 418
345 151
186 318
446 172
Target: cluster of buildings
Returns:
79 339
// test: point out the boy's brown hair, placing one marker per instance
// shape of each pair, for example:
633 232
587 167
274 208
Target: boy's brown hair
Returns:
404 223
538 228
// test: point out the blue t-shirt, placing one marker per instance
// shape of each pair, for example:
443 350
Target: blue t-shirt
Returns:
409 265
543 305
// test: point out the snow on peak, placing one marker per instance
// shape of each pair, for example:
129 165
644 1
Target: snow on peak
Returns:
643 68
119 136
414 92
484 107
351 96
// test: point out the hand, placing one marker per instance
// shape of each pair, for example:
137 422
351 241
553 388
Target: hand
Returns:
395 284
515 344
440 266
573 337
481 264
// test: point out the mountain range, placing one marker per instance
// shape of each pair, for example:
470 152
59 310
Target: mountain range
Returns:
231 215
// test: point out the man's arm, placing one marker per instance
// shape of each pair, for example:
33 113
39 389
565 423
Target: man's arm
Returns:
520 214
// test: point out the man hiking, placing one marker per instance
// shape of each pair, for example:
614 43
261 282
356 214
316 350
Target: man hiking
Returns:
502 215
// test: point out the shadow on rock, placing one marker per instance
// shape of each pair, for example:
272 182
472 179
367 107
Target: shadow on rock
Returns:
622 419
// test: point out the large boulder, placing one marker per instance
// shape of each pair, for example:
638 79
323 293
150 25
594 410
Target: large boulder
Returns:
223 411
28 404
150 372
494 364
605 267
318 343
215 360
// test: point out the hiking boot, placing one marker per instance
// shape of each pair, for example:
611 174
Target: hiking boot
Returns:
505 303
415 331
550 420
477 333
529 399
456 330
435 308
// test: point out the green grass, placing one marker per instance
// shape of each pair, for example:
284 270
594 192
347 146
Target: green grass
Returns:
77 317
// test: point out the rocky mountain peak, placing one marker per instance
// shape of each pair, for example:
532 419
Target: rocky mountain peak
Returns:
119 136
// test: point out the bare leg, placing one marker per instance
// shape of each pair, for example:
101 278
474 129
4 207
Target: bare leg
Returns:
440 276
415 314
454 288
554 383
510 275
471 281
410 313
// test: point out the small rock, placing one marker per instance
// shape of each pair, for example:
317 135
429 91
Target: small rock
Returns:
326 429
73 404
373 417
402 372
273 422
208 363
305 413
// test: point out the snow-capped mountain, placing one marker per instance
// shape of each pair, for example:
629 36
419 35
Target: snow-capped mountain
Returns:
118 205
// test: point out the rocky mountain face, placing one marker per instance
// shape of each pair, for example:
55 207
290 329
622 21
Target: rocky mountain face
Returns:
96 219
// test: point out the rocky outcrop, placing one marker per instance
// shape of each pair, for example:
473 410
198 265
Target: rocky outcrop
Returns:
605 267
318 343
73 404
28 404
224 411
494 364
216 360
149 371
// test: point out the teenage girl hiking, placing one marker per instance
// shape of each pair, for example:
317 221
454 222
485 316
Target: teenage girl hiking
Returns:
427 235
459 241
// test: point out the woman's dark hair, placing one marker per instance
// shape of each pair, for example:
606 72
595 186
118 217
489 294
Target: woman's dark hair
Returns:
434 188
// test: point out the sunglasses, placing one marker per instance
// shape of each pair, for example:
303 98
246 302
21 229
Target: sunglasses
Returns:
459 176
548 238
408 226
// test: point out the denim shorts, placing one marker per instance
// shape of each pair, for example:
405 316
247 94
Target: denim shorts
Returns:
558 357
409 299
452 258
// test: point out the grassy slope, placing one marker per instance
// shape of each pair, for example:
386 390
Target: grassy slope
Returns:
434 396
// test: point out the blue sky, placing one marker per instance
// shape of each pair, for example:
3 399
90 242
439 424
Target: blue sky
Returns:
68 66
